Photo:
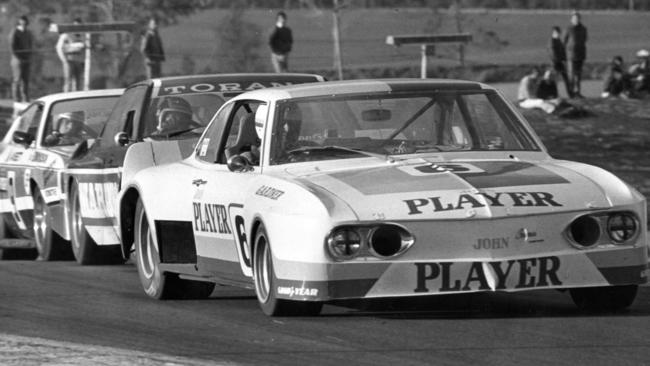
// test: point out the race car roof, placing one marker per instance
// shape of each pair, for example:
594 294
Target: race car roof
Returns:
51 98
363 86
226 83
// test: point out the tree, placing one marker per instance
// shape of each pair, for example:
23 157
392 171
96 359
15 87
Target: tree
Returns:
238 43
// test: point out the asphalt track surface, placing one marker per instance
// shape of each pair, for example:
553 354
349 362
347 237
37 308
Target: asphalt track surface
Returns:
93 307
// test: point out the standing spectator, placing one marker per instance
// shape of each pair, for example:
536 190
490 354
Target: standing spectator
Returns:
558 57
152 49
70 49
575 40
640 74
21 43
281 41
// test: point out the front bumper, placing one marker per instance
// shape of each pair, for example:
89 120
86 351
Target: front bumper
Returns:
377 279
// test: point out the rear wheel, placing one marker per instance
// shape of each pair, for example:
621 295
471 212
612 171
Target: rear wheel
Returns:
609 298
158 284
84 248
264 277
49 244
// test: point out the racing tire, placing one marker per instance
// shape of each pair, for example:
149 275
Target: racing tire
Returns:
607 299
264 279
49 244
84 248
158 284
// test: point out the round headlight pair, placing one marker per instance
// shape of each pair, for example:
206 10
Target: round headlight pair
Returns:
586 231
383 241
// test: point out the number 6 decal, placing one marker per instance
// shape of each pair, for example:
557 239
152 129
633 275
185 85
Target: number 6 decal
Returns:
236 215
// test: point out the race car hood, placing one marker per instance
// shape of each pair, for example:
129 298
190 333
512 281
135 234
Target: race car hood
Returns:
416 190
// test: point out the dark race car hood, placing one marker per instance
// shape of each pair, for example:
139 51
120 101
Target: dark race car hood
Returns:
467 189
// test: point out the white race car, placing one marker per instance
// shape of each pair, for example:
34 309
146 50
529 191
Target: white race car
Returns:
33 155
374 189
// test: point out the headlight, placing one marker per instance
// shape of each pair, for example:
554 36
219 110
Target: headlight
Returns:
389 240
585 231
622 227
344 243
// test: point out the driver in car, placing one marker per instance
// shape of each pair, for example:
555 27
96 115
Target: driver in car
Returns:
174 115
69 129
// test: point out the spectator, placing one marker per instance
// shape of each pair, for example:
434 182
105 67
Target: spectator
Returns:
558 57
527 94
547 87
152 49
575 41
617 82
281 41
21 43
640 74
70 49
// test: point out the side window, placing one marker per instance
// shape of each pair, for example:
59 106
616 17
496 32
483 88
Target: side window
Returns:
30 119
242 133
234 128
125 114
206 149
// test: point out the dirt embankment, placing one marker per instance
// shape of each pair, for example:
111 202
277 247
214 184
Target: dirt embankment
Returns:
615 136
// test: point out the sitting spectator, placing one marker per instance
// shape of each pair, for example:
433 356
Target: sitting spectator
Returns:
640 74
547 87
617 83
527 93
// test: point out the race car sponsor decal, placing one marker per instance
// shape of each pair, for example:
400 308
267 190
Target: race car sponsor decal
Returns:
269 192
446 176
16 156
526 273
38 157
27 176
204 146
51 195
491 243
97 199
212 87
292 291
470 200
211 218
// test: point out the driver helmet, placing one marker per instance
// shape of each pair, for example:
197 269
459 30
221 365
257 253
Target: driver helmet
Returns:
69 123
642 53
173 113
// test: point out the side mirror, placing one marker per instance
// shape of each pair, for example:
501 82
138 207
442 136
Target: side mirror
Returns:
122 139
22 138
238 163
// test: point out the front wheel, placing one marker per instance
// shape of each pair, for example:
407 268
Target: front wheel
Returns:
264 278
84 248
49 244
158 284
609 298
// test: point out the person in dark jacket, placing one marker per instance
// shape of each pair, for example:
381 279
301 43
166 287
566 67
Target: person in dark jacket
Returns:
547 87
617 83
558 57
281 41
152 49
21 43
575 41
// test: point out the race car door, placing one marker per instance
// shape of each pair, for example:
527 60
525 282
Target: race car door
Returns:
16 201
218 223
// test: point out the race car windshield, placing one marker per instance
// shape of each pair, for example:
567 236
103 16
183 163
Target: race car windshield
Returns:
180 115
395 124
